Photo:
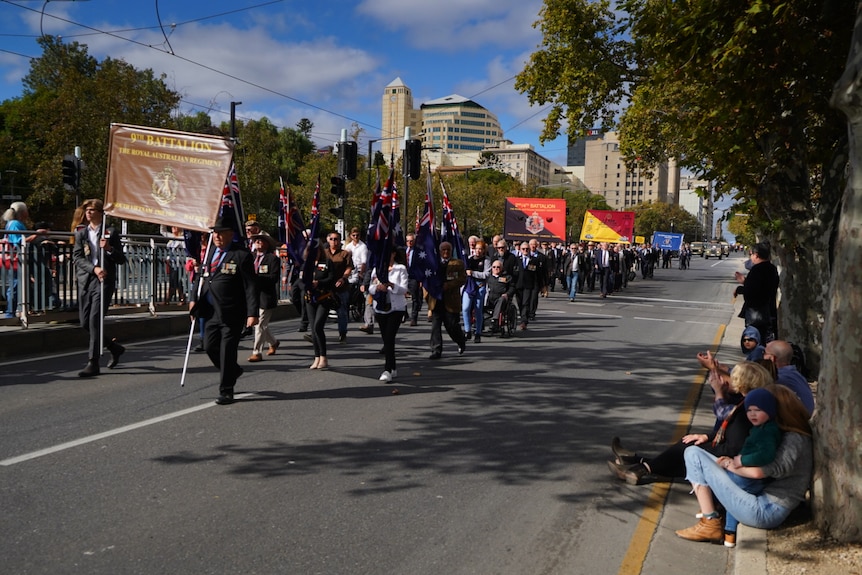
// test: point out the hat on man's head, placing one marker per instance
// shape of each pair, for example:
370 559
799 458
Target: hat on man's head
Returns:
222 225
268 240
763 399
252 223
42 226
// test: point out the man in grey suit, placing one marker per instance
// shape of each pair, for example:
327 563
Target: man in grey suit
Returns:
96 255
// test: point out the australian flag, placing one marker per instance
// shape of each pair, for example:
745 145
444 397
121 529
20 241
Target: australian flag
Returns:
380 227
451 234
312 246
291 228
449 228
425 267
231 206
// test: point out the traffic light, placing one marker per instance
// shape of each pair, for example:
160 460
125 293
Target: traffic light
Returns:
70 172
347 153
340 191
338 211
413 157
338 188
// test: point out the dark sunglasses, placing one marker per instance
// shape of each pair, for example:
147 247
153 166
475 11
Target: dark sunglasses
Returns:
749 339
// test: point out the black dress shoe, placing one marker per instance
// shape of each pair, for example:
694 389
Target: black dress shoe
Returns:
225 399
461 350
116 351
91 370
435 355
199 348
468 335
302 329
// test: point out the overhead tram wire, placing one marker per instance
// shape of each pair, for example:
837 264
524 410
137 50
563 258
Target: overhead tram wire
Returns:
205 67
174 25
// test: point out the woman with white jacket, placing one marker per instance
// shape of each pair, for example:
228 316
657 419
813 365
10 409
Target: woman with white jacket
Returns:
390 307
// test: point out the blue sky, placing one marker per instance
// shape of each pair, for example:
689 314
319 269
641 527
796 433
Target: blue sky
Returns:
293 59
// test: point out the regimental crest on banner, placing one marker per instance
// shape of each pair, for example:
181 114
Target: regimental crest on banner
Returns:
535 223
165 186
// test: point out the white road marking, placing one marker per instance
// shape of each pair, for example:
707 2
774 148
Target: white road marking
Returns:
655 319
105 434
600 315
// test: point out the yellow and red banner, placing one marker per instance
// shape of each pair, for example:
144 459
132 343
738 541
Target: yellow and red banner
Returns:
165 176
541 218
608 226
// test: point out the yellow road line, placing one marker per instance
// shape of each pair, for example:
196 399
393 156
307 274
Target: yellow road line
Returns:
636 554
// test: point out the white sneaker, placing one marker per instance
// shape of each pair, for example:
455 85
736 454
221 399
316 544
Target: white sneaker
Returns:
386 376
394 373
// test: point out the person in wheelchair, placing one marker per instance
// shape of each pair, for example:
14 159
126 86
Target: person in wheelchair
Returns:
501 290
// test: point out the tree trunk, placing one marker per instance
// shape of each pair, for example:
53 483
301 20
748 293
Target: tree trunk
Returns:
838 422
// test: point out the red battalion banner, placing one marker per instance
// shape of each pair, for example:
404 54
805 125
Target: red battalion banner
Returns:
541 218
166 177
608 226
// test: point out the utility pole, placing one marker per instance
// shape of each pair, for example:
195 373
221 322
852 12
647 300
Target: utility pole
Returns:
233 106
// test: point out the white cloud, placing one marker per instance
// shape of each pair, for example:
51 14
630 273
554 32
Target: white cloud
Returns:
246 63
454 25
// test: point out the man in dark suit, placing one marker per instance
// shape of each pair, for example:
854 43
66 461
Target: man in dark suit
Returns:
414 287
228 302
603 269
530 280
96 254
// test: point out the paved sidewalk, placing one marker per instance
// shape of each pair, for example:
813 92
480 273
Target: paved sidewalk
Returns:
668 554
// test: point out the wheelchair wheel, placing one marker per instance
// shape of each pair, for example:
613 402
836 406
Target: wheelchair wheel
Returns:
511 321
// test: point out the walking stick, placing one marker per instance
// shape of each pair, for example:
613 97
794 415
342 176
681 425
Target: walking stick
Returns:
194 322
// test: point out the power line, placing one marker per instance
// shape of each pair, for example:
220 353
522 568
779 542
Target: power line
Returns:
205 67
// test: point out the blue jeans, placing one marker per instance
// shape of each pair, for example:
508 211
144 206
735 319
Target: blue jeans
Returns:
474 304
573 284
753 486
752 510
344 296
12 295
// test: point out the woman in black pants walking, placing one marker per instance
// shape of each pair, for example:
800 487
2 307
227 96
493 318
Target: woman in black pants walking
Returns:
390 307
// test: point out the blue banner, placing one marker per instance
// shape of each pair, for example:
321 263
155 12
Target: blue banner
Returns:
667 240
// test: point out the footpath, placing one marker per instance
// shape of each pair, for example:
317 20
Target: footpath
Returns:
665 553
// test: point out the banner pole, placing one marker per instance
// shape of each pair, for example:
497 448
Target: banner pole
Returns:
195 320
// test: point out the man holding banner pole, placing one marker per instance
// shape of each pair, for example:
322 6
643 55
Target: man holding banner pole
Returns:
96 254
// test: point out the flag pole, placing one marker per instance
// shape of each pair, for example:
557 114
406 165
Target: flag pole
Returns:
102 235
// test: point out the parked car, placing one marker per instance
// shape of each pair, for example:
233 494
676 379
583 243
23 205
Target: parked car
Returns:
713 250
697 248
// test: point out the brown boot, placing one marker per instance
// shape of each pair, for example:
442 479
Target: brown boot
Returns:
705 530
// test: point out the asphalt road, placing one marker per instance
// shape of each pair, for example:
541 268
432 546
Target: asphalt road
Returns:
493 462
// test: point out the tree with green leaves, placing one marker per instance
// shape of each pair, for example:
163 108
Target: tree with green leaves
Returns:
659 217
739 93
70 99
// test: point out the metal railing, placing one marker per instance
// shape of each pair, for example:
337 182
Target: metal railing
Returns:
154 274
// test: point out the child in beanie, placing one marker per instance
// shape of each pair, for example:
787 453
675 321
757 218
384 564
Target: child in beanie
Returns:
758 450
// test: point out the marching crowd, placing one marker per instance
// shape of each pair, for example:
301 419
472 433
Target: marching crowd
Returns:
492 283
